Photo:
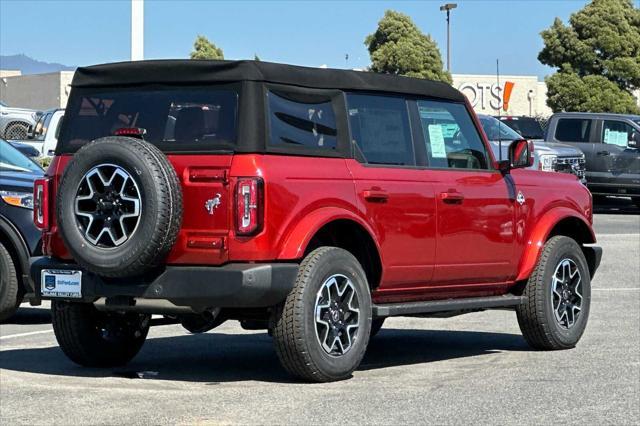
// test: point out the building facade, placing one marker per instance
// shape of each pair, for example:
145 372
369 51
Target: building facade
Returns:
513 95
36 91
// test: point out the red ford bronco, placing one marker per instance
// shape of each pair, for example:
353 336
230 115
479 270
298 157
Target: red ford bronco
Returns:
312 203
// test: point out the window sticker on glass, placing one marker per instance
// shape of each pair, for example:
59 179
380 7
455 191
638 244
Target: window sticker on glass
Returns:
615 138
449 130
438 149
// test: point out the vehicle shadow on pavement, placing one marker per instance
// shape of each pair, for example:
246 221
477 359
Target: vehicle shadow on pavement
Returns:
615 206
29 316
217 357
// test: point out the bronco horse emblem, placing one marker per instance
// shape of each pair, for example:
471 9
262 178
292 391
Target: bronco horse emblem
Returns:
212 204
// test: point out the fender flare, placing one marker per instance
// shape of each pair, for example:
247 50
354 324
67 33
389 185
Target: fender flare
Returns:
539 235
301 234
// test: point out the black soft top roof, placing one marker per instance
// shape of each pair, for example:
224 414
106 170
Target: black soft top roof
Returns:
188 71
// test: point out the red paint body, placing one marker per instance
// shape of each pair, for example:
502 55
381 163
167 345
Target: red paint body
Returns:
439 233
429 248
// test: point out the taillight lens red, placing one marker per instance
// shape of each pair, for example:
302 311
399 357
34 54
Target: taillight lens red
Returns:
41 203
249 205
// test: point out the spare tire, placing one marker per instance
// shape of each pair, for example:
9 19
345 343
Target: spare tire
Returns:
119 207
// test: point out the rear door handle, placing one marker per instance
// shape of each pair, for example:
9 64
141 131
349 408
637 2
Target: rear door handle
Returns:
451 197
375 195
603 153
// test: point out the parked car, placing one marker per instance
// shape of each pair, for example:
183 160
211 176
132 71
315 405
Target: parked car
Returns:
528 127
44 136
15 122
548 157
610 143
19 238
311 202
25 149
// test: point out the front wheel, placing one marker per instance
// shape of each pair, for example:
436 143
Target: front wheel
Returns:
558 297
97 339
322 330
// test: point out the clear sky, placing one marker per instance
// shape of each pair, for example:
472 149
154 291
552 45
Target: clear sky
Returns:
310 33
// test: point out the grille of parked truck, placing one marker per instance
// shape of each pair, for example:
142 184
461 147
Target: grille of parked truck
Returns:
312 203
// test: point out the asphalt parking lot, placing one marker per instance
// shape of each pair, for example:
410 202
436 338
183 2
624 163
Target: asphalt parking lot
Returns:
472 368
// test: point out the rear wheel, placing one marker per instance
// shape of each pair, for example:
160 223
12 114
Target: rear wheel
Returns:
558 297
97 339
9 288
322 330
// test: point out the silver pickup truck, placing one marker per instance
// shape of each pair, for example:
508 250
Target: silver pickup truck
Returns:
548 157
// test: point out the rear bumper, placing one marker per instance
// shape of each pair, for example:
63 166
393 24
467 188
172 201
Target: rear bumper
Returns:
238 285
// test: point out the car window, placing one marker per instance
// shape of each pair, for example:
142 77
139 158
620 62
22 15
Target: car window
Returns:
40 129
617 133
573 129
380 129
529 128
451 139
301 124
58 127
174 118
13 160
498 130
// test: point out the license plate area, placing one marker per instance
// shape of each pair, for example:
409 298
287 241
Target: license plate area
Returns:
61 283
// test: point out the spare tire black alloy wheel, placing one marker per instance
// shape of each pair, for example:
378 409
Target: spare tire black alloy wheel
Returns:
108 205
119 207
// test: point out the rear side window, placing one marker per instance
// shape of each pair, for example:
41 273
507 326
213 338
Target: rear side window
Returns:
380 129
301 124
175 119
573 130
452 141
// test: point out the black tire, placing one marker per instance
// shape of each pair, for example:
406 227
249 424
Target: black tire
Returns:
97 339
294 331
536 318
160 217
9 287
376 325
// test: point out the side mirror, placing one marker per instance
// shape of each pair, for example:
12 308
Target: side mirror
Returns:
519 155
634 142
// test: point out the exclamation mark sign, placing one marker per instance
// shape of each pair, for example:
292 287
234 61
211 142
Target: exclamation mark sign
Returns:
508 87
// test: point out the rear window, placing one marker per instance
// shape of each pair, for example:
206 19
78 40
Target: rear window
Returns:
573 130
175 118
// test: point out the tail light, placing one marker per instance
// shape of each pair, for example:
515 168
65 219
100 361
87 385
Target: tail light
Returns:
249 205
41 203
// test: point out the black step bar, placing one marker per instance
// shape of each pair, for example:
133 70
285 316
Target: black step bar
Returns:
448 305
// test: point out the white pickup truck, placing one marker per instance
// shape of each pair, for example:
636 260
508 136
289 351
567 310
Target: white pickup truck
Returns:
44 136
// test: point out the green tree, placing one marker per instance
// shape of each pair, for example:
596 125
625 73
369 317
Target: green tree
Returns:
597 57
399 47
204 49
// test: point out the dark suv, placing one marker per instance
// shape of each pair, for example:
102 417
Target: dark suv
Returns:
19 238
610 143
310 202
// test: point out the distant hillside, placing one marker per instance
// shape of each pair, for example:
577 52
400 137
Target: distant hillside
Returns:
29 65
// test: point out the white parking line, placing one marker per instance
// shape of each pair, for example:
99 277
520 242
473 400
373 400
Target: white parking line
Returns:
617 289
31 333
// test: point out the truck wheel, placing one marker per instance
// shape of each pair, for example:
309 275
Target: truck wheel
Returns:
16 131
9 288
376 325
322 330
97 339
558 297
119 207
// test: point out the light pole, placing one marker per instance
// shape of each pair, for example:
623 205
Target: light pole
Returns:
447 7
137 30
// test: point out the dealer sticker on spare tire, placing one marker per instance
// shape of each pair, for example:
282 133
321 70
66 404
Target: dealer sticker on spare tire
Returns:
61 283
